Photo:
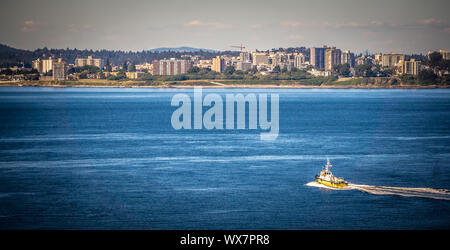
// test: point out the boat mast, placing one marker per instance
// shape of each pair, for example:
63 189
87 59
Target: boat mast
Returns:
328 164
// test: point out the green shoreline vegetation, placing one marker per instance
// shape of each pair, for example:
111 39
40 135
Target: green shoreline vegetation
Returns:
249 79
366 76
252 78
315 83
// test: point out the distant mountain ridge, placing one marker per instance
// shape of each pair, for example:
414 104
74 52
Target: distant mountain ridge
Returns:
182 49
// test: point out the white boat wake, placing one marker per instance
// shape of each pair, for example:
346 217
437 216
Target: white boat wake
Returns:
440 194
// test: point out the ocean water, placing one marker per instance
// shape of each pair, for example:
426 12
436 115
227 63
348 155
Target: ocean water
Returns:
108 158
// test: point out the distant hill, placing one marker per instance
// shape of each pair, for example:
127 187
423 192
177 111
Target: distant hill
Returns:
182 49
10 56
8 49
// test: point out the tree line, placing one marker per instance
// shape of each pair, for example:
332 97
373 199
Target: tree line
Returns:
13 57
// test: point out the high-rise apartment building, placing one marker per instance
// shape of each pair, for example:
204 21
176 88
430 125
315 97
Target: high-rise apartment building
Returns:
317 57
43 66
97 62
411 67
299 61
59 70
391 60
332 58
170 67
348 57
260 59
218 64
364 60
244 66
245 57
47 65
445 54
378 58
37 65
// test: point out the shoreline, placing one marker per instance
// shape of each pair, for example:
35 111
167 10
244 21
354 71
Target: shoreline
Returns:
215 86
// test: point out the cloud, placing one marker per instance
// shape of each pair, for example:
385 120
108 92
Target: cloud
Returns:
32 26
343 25
295 37
377 23
81 28
436 23
389 42
112 37
294 24
210 25
430 21
371 26
255 26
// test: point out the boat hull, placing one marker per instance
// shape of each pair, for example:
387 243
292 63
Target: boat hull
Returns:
332 184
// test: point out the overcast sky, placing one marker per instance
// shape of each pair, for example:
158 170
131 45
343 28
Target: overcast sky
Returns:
407 26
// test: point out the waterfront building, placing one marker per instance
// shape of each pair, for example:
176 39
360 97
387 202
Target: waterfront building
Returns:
43 65
218 64
411 67
332 58
283 60
170 67
260 59
274 59
59 70
300 61
97 62
445 54
364 60
378 58
317 57
204 64
391 60
284 65
316 72
244 66
37 65
277 58
47 64
134 75
144 66
245 57
348 57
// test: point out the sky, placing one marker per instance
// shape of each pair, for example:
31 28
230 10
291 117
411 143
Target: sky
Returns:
402 26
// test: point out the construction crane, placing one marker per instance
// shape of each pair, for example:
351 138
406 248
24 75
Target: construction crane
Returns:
240 47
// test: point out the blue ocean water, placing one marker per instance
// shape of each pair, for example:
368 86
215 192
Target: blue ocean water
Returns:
108 158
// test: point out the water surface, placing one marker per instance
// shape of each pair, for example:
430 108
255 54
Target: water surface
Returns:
108 158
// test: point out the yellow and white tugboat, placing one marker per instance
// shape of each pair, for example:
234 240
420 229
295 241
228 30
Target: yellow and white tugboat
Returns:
327 178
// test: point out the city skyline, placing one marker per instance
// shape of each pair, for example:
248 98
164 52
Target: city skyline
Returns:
382 27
